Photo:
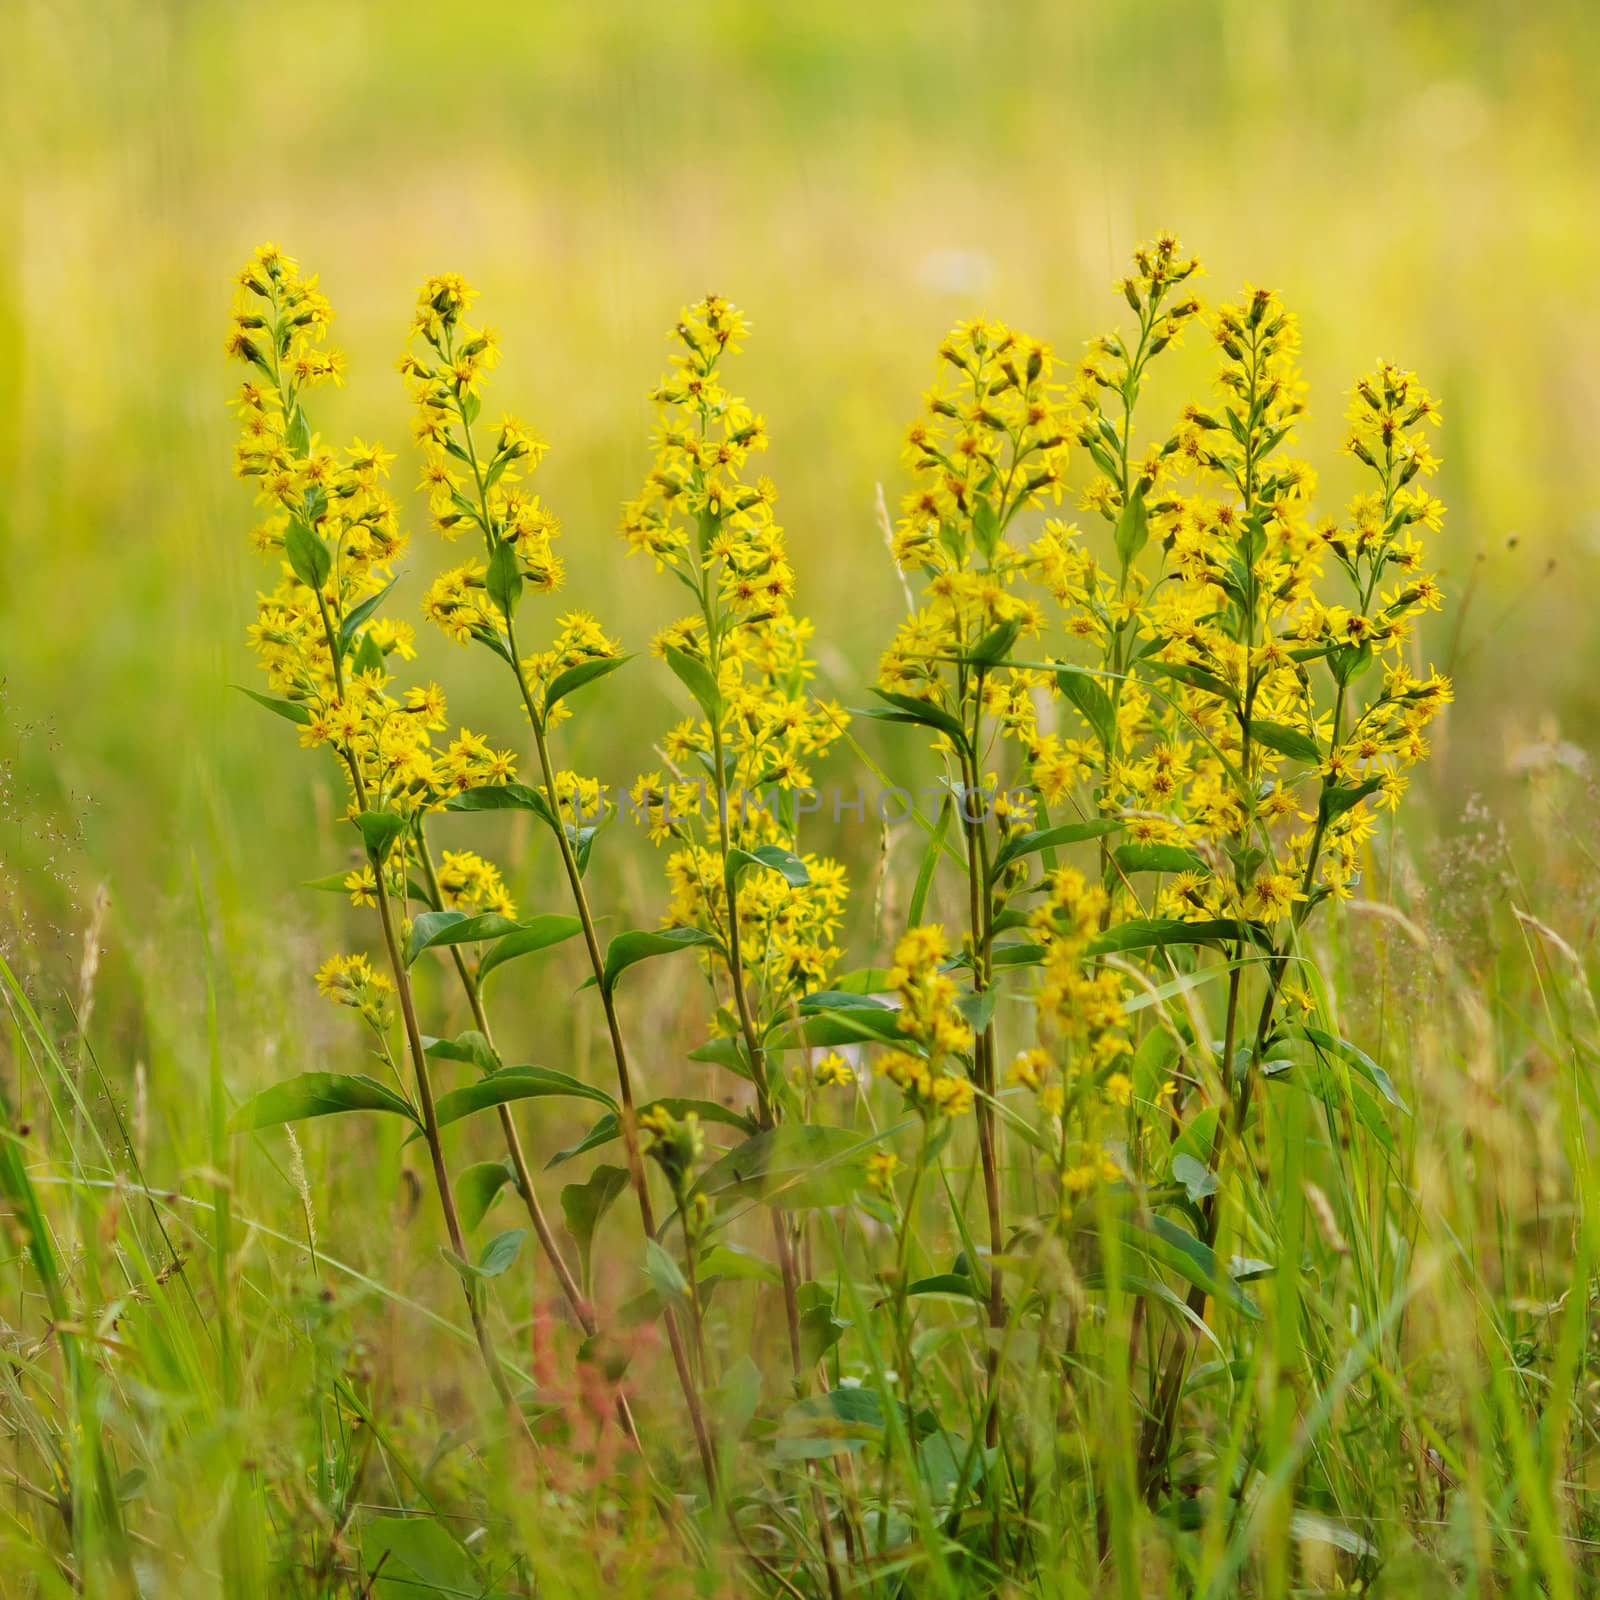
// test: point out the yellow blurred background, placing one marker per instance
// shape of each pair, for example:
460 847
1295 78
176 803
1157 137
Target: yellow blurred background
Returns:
1421 180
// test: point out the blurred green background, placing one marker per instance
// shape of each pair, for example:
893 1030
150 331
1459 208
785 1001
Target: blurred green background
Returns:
1421 181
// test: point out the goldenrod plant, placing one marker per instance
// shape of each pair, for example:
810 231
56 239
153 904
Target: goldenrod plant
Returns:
1163 744
988 1184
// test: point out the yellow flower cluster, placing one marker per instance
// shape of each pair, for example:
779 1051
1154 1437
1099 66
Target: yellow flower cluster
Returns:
1202 726
927 993
993 443
469 883
351 981
323 647
474 476
1079 1007
929 1015
789 931
742 653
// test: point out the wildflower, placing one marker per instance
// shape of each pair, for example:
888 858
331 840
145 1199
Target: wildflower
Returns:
882 1165
349 980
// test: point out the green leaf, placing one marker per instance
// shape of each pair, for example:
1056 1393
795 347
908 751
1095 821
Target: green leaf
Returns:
359 614
1027 844
735 1262
995 645
470 1046
1353 1057
564 683
478 1187
820 1327
695 676
310 559
1196 1141
1286 741
930 862
379 830
289 710
1339 798
1178 1249
584 1204
1017 955
1157 858
723 1052
774 858
830 1424
515 1083
368 657
737 1397
953 1283
907 708
1148 934
841 1000
1196 678
1197 1179
537 933
504 578
1133 529
502 797
628 949
500 1252
794 1166
318 1094
977 1006
853 1025
665 1275
415 1556
1089 696
985 527
436 928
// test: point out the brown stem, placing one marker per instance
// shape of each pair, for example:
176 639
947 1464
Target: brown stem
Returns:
626 1118
983 1056
581 1309
441 1173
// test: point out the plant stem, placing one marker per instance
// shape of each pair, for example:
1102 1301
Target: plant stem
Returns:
581 1308
441 1173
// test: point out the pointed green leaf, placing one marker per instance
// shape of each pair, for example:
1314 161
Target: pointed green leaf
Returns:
564 683
515 1083
470 1046
504 578
1027 844
665 1275
584 1204
318 1094
793 1166
1133 529
379 830
359 614
1286 741
289 710
1157 858
500 1252
478 1187
436 928
775 859
1146 934
695 676
628 949
310 559
1085 691
502 797
907 708
537 933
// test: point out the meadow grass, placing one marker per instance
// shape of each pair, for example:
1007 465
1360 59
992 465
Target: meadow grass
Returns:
239 1359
